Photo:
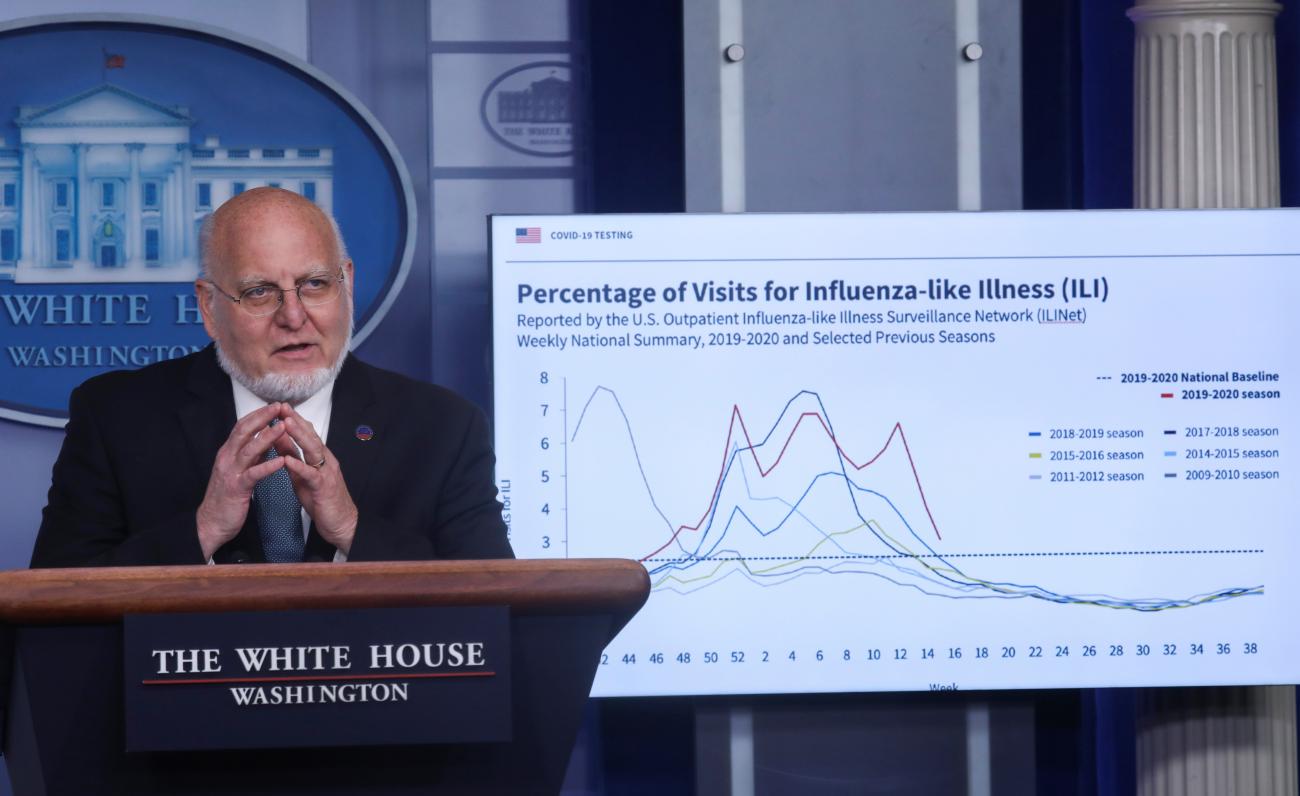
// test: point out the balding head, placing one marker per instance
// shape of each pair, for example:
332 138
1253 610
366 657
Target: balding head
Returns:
249 214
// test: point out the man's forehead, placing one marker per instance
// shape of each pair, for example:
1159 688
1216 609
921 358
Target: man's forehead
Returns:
264 276
260 246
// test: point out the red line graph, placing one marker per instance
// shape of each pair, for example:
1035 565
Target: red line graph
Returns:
736 415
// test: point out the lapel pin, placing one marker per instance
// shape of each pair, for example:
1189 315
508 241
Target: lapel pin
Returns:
365 433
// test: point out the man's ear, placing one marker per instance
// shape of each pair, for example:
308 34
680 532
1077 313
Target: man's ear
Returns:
204 294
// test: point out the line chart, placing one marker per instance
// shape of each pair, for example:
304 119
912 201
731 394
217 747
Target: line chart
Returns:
868 452
934 575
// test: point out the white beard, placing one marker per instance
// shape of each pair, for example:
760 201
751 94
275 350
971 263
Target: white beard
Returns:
291 388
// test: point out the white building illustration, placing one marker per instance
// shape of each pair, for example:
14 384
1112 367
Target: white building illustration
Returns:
106 186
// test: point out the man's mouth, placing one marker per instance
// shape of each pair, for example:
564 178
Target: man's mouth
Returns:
295 348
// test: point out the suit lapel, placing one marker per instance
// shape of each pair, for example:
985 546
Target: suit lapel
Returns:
206 419
354 405
208 414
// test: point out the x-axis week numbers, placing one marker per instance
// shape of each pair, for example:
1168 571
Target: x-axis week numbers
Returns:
1167 649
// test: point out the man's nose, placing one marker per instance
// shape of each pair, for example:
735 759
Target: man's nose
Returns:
291 312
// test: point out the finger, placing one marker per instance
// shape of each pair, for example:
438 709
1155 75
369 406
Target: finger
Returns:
284 444
259 471
302 424
304 433
247 429
304 474
260 416
250 424
300 468
287 413
254 450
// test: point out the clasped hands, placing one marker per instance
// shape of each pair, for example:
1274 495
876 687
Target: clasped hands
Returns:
241 462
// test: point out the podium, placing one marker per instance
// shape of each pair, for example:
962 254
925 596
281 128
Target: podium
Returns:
64 723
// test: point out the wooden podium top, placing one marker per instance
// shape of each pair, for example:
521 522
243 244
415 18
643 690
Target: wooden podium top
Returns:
91 596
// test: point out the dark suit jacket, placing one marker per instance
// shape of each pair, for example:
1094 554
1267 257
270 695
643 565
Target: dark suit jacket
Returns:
140 446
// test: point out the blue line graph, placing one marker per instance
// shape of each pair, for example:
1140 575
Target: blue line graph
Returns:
700 555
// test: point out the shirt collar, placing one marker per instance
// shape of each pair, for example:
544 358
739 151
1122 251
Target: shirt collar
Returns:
315 410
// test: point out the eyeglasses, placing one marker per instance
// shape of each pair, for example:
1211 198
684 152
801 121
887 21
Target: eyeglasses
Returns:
265 299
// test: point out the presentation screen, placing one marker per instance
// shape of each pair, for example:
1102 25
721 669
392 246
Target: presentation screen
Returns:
912 451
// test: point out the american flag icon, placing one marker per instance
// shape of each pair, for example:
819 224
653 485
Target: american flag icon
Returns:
528 234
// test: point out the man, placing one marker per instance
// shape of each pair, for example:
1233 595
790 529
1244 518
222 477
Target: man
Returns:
330 459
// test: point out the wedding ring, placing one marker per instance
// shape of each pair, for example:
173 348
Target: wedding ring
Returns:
320 463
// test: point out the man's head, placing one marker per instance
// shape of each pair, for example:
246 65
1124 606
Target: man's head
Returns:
272 238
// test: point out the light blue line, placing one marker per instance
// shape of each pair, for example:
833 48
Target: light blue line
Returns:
1146 604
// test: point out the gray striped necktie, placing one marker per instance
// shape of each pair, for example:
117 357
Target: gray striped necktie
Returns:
279 515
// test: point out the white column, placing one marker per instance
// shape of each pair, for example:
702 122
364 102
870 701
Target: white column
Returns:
40 227
170 214
82 244
1205 135
178 221
27 257
1205 110
189 251
165 219
1230 740
133 250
